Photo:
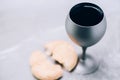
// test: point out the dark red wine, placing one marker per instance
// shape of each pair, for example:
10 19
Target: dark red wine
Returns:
86 14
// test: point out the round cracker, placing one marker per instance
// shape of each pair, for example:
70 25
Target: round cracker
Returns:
66 55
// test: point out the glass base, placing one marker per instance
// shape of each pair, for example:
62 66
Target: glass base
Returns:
87 66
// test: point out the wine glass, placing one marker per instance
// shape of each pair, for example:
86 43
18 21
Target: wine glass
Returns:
86 25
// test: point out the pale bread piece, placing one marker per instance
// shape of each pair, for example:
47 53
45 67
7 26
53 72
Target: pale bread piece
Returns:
52 45
36 58
46 71
66 55
42 68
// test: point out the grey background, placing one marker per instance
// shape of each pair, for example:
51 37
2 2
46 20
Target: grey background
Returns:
26 25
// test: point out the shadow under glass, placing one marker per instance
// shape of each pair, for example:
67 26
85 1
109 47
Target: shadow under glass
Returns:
86 14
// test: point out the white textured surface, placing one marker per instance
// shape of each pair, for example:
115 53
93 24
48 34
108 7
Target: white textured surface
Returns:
25 25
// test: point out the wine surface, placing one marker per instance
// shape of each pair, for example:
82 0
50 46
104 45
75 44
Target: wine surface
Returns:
86 14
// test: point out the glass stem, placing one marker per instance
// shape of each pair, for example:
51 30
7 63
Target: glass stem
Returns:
84 53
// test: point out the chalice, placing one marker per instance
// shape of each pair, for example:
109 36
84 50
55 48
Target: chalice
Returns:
85 25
